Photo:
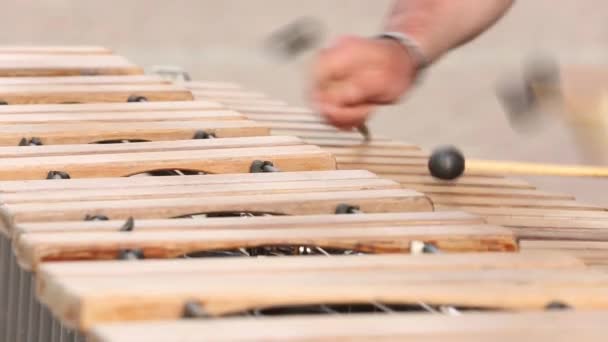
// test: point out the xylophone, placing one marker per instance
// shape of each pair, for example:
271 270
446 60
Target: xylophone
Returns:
139 208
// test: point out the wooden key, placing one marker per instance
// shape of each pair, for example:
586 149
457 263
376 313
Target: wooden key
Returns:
537 212
325 134
223 160
105 107
110 299
525 260
455 191
386 169
32 65
153 146
501 327
369 220
273 109
306 203
32 249
275 118
93 132
211 85
485 182
483 201
83 80
341 144
54 49
181 190
57 94
593 253
113 116
8 187
227 94
375 153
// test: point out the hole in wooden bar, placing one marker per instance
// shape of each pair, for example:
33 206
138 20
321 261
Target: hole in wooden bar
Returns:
120 141
217 214
168 172
271 250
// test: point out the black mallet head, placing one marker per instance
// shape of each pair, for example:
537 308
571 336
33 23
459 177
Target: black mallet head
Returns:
446 163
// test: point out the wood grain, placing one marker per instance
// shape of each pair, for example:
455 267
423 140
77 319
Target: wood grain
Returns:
229 160
87 132
110 117
523 260
41 64
57 94
85 301
122 107
593 253
54 49
485 182
503 327
83 80
150 146
32 249
310 203
262 222
223 189
483 201
200 180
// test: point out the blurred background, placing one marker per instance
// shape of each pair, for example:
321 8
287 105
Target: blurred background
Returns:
456 104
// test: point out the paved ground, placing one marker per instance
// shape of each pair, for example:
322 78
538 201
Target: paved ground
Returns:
223 40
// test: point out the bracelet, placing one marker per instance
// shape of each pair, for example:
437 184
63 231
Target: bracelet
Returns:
413 48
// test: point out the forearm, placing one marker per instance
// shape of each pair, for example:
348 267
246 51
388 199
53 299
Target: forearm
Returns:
441 25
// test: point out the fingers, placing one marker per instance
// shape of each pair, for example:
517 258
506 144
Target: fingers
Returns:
343 117
332 64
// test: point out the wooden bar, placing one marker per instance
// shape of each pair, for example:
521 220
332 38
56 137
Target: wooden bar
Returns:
58 94
309 203
83 301
111 117
127 193
83 80
32 65
33 249
483 201
485 182
593 253
501 327
122 107
261 222
524 260
35 186
208 160
54 49
94 132
152 146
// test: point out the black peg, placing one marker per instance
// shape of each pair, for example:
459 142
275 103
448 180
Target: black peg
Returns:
3 103
557 305
130 254
430 249
200 134
128 226
96 218
193 309
347 209
31 142
259 166
137 98
57 175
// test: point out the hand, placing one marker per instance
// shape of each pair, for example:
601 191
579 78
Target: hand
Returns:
355 75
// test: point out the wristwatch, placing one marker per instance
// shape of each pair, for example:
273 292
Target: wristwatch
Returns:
411 46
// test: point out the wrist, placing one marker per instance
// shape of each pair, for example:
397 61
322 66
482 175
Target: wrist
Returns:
417 59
